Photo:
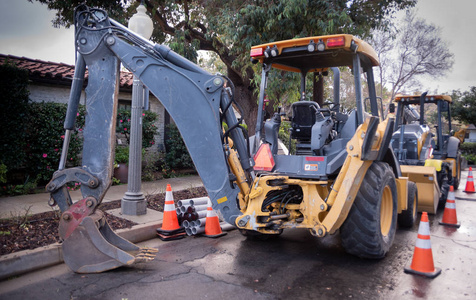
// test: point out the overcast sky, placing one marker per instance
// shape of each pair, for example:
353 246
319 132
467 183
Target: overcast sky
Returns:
26 30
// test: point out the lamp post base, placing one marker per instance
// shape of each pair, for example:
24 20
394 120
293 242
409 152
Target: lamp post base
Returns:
133 204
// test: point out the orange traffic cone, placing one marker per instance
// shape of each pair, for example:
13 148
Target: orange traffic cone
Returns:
470 183
422 263
449 215
212 223
171 229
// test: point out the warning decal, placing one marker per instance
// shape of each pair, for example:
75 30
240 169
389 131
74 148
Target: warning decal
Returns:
222 199
310 167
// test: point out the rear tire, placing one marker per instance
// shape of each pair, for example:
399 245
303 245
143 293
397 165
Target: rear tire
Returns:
408 217
370 226
457 178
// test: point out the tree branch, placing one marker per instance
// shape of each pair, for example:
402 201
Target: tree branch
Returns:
205 43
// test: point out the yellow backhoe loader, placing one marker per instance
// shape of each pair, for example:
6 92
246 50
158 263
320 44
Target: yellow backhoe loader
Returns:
343 176
430 158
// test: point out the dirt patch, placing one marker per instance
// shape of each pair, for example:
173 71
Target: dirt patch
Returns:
30 232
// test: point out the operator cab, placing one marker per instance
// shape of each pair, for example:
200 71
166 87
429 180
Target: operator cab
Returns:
420 142
319 134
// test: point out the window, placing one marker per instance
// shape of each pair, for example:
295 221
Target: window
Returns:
124 104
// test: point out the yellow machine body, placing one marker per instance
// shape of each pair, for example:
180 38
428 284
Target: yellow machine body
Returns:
427 184
325 204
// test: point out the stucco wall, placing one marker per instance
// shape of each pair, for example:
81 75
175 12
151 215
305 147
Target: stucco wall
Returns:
472 136
50 93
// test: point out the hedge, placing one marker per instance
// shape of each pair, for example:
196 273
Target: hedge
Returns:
469 152
177 156
149 130
32 134
14 108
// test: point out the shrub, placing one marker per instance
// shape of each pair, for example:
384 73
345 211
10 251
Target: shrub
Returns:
150 165
14 108
177 156
284 136
469 148
471 158
3 173
31 134
122 154
149 130
469 152
28 187
45 137
124 123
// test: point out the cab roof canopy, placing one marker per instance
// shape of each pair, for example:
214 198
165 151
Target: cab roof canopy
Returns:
316 53
415 99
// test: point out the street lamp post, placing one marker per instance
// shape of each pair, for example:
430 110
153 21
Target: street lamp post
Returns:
134 203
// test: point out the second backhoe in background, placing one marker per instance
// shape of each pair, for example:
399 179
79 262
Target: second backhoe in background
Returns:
429 157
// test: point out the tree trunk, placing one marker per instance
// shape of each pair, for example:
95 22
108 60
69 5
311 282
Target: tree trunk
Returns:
247 101
318 88
245 98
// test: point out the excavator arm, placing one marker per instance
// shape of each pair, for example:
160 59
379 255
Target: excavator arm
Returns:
197 101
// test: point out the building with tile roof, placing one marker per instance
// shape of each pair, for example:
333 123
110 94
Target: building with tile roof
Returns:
51 82
470 134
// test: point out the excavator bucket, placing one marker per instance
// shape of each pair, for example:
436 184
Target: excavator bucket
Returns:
93 247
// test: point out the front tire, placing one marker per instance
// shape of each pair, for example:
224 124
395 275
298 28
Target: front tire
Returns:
370 226
444 181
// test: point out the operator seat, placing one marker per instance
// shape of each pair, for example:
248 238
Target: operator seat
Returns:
304 117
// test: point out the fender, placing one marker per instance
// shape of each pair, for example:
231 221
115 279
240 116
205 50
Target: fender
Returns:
453 146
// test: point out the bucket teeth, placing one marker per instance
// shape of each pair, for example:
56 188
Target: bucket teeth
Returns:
146 254
144 258
149 250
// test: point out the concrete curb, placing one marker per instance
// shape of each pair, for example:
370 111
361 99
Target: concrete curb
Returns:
466 198
30 260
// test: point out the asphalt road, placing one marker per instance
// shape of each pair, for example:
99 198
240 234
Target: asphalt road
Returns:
294 265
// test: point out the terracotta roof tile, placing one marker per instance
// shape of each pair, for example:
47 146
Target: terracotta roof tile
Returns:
62 73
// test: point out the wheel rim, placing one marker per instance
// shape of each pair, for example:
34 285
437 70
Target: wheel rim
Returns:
386 209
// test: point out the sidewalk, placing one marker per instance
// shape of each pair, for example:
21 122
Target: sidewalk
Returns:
38 203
